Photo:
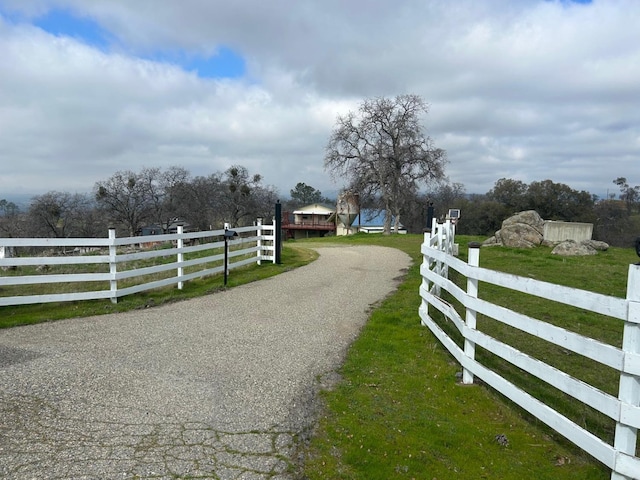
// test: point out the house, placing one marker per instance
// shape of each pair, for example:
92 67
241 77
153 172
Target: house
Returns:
154 229
372 221
316 220
166 228
171 228
310 221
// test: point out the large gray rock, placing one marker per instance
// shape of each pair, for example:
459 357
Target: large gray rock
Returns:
597 245
528 217
491 242
526 230
571 248
519 235
522 230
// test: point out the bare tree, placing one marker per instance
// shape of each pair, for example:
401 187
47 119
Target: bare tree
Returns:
163 195
198 201
244 195
62 215
126 199
382 151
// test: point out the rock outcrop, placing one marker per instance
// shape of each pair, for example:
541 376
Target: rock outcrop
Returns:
572 248
597 245
526 230
522 230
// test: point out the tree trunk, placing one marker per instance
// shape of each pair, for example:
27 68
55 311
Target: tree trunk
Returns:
396 223
387 221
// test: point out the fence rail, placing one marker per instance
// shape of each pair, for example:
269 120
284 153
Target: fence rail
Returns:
620 456
190 255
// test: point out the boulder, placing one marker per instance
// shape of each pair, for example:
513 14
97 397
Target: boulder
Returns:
526 230
491 242
522 230
528 217
597 245
571 248
519 235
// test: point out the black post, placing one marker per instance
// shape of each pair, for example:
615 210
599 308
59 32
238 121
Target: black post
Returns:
227 235
429 215
226 258
278 232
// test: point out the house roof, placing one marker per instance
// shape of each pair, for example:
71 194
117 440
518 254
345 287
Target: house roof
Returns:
314 209
371 218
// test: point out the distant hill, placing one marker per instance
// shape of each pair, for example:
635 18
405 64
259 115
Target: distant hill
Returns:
22 200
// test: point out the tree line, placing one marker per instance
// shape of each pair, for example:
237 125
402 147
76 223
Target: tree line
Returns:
129 201
616 219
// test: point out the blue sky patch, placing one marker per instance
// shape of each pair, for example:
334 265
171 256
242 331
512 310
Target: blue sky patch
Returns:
63 23
569 2
224 63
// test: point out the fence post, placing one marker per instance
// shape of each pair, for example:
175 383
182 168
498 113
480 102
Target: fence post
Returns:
278 233
259 242
470 316
225 267
113 265
426 263
447 237
180 256
274 224
629 389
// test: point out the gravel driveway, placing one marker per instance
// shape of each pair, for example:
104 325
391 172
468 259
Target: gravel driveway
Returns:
220 386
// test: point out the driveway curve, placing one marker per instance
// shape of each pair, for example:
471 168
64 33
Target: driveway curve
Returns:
220 386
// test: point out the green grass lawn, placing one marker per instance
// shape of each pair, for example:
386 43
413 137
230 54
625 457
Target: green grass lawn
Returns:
399 411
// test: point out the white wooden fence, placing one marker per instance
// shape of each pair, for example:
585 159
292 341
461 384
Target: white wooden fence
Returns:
208 250
621 457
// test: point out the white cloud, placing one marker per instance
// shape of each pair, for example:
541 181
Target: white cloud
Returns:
521 89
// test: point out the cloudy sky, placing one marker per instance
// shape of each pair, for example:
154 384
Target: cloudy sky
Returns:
522 89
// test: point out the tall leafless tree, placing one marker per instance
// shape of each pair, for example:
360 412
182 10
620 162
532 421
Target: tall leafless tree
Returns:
244 196
125 197
382 151
62 215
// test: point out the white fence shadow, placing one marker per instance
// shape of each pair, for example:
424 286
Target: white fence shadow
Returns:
620 457
206 254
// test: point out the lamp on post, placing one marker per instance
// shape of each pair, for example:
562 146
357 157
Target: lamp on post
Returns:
228 234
